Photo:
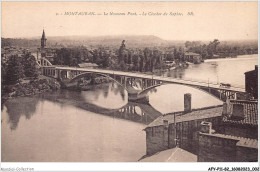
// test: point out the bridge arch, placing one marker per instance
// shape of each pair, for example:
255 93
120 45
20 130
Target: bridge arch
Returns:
145 91
43 62
142 92
81 75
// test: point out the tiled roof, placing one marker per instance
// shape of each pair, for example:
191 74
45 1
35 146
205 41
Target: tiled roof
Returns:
246 142
194 115
250 113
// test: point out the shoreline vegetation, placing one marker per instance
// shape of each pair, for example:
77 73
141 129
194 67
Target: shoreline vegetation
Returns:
28 87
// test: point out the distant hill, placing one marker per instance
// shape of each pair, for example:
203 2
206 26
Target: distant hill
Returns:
132 41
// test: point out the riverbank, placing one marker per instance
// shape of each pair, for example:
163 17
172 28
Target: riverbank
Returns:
240 57
27 87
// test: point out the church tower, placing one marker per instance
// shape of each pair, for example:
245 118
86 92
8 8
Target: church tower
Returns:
43 40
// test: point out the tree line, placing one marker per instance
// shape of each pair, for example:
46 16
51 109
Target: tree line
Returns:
17 68
217 49
142 60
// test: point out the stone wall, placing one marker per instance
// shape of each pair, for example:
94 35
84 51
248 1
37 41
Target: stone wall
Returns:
160 138
188 133
214 148
245 154
156 139
246 131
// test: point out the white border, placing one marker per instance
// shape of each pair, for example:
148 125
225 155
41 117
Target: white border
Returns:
139 166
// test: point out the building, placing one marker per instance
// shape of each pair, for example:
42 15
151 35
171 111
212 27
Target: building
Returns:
192 57
251 79
183 130
88 65
240 118
44 52
237 139
43 40
221 133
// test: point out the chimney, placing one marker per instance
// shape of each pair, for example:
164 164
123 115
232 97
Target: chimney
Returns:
206 127
227 108
187 102
165 124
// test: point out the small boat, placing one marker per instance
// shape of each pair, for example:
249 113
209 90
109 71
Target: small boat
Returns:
214 64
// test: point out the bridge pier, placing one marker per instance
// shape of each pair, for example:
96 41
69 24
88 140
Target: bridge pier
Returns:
55 74
67 74
121 80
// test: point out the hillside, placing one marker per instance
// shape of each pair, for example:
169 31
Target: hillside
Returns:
111 41
132 41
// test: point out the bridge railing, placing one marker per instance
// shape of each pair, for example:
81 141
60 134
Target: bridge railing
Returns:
210 82
205 82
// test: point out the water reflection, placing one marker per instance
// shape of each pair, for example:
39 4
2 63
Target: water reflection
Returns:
170 98
22 106
106 99
108 95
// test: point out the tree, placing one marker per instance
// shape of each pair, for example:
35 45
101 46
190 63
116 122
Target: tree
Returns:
14 70
187 44
136 62
212 47
122 52
30 66
105 60
122 56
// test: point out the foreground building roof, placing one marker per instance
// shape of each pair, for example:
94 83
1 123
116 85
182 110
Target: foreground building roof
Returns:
202 113
250 113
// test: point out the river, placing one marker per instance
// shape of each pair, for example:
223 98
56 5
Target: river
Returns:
225 70
99 125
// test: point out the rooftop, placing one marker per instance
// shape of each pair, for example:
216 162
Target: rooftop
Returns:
250 113
202 113
171 155
252 71
242 141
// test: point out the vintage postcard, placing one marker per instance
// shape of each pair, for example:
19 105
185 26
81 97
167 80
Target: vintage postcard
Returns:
129 81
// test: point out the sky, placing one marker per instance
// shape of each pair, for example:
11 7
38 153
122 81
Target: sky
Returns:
210 20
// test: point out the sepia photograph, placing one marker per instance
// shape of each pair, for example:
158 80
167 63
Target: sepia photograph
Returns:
114 81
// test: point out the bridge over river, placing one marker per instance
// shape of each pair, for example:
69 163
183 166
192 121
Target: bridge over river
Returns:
138 84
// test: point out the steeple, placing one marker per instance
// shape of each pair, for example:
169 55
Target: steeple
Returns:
43 40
